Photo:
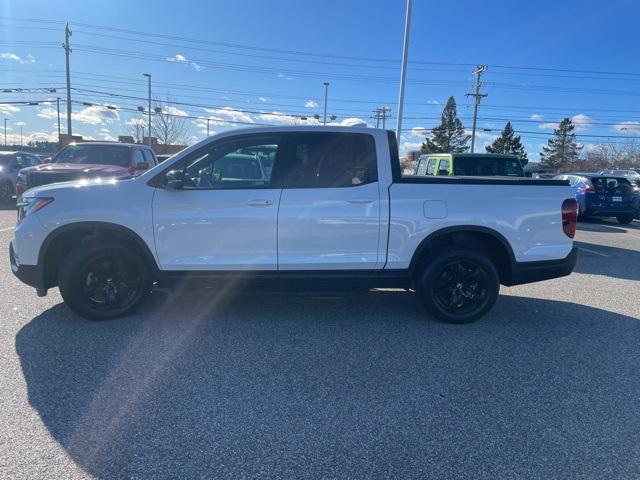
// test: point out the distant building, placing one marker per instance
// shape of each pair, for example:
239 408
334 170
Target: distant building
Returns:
413 156
126 139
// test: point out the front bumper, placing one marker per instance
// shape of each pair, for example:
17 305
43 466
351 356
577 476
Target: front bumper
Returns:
529 272
31 275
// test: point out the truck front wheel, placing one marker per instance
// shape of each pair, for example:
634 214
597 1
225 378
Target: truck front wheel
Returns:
100 280
458 286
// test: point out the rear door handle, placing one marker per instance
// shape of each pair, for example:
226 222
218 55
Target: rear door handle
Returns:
259 202
360 200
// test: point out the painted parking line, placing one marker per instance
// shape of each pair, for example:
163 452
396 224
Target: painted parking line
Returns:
6 229
588 250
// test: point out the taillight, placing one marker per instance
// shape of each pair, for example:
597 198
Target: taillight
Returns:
569 217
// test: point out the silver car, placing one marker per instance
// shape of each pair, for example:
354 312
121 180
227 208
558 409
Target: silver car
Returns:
10 164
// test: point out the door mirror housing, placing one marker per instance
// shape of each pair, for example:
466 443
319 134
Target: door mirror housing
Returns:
143 166
174 179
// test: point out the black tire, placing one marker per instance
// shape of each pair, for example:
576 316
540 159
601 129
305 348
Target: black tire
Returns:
100 280
458 286
6 192
625 219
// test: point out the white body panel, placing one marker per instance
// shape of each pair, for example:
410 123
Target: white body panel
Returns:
329 228
216 229
315 229
528 217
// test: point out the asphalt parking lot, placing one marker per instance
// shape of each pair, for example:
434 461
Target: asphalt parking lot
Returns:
212 386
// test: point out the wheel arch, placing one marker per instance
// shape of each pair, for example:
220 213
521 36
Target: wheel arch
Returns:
61 240
493 243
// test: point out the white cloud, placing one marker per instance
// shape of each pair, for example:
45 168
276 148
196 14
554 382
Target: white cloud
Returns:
171 110
418 132
177 58
353 122
136 121
433 102
228 114
582 122
262 99
311 104
181 59
7 109
406 147
548 126
280 118
20 124
628 127
536 117
94 115
17 58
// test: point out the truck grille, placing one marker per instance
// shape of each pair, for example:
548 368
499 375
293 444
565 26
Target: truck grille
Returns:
35 179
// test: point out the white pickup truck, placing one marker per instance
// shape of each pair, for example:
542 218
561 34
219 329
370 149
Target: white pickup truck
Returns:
296 209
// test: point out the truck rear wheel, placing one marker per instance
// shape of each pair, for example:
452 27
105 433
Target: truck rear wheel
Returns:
100 280
458 286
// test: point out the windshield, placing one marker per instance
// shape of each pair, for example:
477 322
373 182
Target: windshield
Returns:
482 166
95 155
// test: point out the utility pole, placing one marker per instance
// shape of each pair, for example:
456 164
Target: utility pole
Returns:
148 75
67 51
403 70
326 91
477 96
58 105
208 126
5 132
381 113
20 135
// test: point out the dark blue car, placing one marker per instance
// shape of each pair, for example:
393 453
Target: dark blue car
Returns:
604 195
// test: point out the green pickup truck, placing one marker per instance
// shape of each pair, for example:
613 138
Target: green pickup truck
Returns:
470 165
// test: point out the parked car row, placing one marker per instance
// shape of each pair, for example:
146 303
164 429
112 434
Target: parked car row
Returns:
605 194
20 171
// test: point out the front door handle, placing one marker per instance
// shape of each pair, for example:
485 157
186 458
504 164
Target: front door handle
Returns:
360 200
259 202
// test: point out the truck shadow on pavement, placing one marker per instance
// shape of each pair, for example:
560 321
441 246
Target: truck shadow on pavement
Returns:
199 386
608 261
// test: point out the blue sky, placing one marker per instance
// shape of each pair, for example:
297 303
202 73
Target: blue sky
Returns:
262 61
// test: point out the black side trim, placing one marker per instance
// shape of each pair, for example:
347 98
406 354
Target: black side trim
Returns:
462 229
126 232
31 275
396 170
528 272
481 180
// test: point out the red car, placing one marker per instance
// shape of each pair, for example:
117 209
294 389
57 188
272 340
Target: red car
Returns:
88 160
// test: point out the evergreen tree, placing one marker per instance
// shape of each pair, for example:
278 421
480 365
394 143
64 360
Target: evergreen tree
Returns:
509 143
562 151
449 136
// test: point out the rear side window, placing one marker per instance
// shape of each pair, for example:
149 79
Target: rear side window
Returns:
445 167
138 157
481 166
422 167
149 157
115 155
327 160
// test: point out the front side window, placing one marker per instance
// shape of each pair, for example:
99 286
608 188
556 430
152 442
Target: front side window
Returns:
422 166
149 158
431 168
95 155
238 163
327 160
444 167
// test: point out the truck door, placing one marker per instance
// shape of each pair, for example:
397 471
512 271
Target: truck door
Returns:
329 216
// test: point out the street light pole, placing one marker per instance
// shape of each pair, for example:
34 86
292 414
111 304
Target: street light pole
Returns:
5 132
148 75
403 71
58 105
21 135
326 91
208 126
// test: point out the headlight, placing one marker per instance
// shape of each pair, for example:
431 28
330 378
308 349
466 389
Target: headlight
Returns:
1 167
29 205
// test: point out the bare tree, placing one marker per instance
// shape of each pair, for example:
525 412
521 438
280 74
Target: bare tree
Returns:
135 128
170 125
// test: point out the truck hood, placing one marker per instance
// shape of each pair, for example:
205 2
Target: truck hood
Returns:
79 168
83 183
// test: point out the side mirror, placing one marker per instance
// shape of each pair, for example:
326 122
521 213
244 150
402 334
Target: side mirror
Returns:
174 179
443 173
47 160
143 166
